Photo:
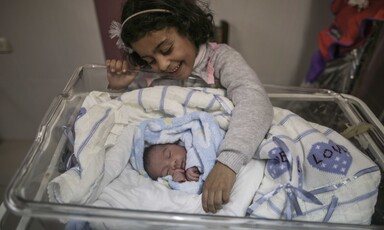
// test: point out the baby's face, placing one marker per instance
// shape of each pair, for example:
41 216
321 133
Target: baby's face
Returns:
165 159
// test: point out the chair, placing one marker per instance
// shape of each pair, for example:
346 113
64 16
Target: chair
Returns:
221 32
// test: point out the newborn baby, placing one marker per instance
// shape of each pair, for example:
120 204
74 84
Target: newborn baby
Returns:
161 160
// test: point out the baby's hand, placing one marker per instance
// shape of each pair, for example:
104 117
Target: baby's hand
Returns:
192 174
179 175
118 75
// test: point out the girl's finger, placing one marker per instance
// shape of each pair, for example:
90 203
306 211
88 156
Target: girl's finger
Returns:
112 65
125 66
118 66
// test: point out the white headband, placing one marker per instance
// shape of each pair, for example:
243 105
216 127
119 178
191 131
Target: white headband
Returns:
116 27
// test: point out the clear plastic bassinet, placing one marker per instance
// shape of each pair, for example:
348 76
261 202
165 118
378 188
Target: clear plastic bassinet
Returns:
26 197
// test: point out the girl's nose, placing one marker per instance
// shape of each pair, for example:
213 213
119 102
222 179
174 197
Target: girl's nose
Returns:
162 63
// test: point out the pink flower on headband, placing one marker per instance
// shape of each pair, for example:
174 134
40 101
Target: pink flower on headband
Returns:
115 32
115 28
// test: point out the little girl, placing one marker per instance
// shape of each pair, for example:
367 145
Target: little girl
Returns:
171 38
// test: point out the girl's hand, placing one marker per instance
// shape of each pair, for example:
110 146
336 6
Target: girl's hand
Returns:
192 174
118 75
217 187
179 175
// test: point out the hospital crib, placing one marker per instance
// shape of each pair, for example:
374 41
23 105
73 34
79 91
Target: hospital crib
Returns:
26 197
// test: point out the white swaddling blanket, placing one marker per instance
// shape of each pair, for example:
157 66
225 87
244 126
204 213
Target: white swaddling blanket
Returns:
104 134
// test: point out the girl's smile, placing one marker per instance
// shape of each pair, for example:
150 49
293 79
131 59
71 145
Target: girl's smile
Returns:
166 51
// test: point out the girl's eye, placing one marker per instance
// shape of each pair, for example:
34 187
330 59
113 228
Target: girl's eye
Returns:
166 51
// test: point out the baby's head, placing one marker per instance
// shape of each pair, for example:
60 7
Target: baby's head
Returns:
163 159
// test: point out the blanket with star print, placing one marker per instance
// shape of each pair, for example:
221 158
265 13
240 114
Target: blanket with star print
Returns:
313 174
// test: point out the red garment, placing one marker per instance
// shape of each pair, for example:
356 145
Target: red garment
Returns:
349 28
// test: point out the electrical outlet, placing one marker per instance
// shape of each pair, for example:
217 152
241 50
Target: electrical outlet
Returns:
5 46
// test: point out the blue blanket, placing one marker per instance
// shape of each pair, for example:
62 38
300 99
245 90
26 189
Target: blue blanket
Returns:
198 132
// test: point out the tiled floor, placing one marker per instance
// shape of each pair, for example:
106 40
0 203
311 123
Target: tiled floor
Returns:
11 155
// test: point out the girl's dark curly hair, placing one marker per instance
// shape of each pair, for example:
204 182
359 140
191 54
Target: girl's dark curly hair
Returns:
191 18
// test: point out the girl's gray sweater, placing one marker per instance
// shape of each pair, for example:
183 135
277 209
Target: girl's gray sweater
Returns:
252 114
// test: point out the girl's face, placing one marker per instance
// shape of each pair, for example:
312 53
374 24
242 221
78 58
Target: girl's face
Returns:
168 52
165 159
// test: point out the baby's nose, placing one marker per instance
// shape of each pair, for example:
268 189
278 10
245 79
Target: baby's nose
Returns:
174 164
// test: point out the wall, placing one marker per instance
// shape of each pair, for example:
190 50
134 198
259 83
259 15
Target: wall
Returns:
108 11
50 38
276 37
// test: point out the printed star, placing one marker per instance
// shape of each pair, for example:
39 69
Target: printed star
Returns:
323 165
344 162
335 166
337 158
342 169
317 146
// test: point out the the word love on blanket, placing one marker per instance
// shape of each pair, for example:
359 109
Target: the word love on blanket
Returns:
313 173
330 157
